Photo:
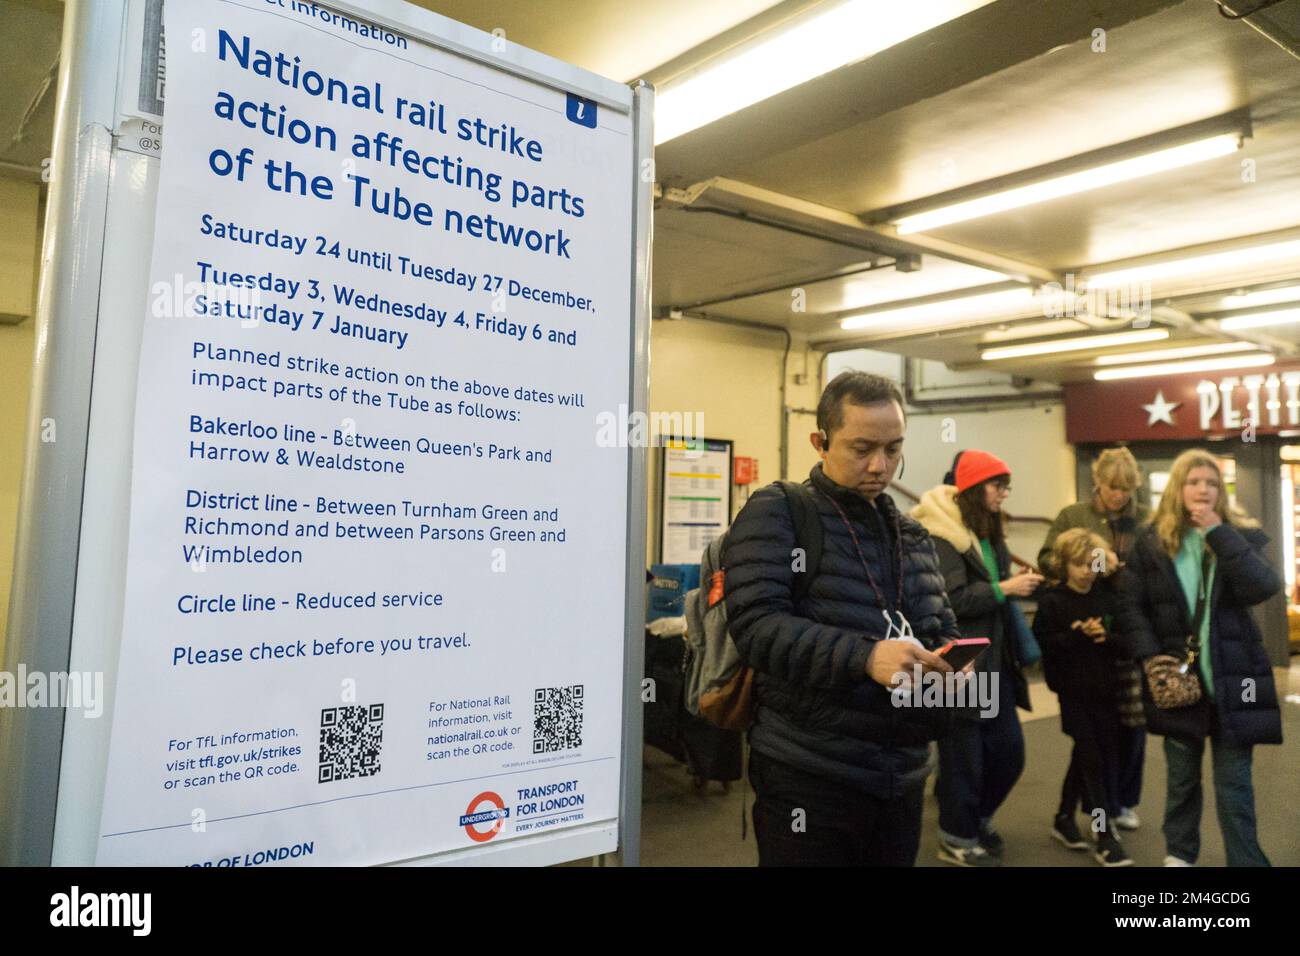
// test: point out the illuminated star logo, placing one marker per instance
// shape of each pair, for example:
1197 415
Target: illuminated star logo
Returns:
1160 410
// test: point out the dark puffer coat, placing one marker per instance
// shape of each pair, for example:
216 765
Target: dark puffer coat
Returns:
1154 619
818 710
970 589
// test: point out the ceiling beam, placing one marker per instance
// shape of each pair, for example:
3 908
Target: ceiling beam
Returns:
1181 320
836 225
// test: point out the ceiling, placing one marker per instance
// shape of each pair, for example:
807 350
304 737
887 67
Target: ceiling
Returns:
983 100
779 213
615 38
767 214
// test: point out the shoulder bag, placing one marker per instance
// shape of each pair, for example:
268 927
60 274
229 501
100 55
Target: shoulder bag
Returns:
1174 683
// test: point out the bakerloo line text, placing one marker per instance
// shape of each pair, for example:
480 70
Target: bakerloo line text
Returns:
488 452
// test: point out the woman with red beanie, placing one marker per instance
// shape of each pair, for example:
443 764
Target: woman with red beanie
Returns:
981 759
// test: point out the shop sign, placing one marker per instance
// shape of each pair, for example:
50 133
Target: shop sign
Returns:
1192 407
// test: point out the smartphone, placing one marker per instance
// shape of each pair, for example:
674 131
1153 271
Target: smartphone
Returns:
961 652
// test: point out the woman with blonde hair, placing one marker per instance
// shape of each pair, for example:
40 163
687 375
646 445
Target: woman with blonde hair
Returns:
1194 573
1113 512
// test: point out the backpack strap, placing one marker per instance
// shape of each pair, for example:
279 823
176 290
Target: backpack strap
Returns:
808 534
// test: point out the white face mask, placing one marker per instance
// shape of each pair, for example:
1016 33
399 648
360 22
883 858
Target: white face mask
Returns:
900 630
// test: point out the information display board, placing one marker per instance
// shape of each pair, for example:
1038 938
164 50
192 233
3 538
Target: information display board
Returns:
375 582
695 482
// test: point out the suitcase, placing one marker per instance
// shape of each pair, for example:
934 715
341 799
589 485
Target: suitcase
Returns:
709 752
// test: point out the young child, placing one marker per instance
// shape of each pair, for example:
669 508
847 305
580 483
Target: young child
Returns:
1073 626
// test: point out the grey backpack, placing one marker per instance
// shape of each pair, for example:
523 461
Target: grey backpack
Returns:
717 684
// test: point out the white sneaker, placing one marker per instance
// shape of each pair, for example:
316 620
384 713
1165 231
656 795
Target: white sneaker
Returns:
1174 861
1127 819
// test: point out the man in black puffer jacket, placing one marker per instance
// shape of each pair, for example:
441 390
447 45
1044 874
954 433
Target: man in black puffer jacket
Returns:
837 768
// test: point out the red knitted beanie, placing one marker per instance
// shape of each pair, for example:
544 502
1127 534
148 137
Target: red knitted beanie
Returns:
976 466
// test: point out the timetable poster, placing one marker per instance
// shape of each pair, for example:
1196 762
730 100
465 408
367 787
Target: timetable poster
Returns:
375 586
696 497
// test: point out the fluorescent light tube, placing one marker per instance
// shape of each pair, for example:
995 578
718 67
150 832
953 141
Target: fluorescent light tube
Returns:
788 57
1181 368
1260 319
1072 183
956 309
1074 344
1187 351
1209 264
1246 300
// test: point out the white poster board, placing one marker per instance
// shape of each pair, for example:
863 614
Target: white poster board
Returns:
696 483
376 570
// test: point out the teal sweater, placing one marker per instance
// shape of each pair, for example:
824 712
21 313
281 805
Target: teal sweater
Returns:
1188 565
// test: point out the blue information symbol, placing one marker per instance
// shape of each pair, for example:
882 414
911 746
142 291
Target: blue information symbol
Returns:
580 111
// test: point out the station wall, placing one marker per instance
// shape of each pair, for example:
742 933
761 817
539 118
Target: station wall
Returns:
19 253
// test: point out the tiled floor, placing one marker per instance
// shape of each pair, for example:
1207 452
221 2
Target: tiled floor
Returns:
683 827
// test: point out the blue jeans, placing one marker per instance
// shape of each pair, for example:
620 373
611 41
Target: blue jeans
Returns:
1234 797
980 760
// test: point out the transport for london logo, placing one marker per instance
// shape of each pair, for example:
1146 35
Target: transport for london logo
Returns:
487 807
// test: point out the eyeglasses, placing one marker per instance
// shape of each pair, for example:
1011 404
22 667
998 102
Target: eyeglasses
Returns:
1001 484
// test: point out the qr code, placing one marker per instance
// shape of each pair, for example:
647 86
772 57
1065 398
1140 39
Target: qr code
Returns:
350 741
557 718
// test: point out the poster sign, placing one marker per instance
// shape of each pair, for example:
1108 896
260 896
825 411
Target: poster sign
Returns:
696 497
375 590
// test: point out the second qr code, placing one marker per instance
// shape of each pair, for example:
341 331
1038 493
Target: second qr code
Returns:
557 718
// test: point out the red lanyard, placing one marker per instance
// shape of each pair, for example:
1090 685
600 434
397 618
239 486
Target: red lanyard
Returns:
886 610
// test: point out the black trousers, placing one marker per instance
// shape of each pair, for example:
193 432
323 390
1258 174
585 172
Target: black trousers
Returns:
805 820
1092 780
1132 757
